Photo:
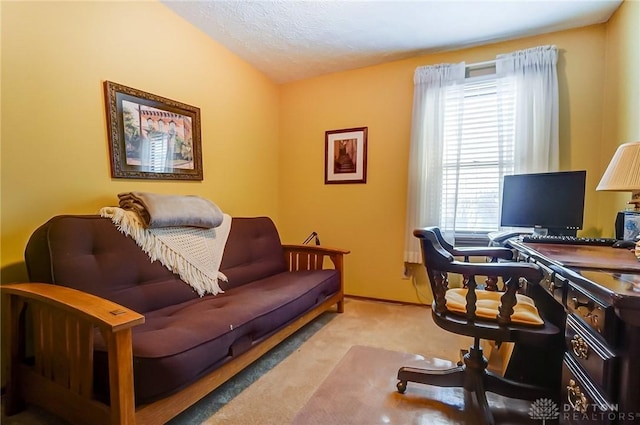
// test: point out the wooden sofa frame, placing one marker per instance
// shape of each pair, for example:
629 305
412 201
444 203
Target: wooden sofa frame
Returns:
60 377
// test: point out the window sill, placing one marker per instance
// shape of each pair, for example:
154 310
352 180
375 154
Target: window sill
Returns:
469 239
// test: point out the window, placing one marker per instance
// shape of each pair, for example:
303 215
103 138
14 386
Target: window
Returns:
478 150
468 131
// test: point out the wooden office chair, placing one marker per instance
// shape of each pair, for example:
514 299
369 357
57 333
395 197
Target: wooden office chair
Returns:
499 316
494 254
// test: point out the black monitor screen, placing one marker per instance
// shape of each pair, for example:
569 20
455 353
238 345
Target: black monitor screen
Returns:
554 201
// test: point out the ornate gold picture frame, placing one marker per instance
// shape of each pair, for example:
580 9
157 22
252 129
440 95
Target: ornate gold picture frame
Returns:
152 137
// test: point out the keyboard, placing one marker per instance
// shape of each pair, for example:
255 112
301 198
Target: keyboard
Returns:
568 240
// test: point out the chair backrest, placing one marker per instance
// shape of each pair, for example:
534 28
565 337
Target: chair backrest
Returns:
492 252
439 262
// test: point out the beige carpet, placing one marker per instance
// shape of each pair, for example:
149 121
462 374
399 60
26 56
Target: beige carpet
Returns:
278 395
362 390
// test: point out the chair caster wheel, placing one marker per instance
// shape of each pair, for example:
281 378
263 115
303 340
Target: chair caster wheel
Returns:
401 386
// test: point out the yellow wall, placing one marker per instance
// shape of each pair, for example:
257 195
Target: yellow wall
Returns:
263 144
621 116
369 218
55 56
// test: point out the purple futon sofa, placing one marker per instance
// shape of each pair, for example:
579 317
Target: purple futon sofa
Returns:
120 339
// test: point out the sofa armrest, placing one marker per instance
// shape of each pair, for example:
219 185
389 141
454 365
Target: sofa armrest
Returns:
99 311
59 374
311 257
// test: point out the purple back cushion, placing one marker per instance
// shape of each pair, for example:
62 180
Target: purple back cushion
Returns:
253 251
88 253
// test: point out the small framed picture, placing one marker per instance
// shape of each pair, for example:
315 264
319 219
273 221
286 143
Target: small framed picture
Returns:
152 137
345 156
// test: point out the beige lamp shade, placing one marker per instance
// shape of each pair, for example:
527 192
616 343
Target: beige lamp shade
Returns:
623 172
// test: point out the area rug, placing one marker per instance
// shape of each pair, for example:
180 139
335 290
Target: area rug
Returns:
361 390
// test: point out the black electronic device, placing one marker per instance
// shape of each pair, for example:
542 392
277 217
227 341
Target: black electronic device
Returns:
619 225
550 201
628 244
569 240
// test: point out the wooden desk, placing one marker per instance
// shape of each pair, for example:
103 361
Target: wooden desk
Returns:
599 291
584 256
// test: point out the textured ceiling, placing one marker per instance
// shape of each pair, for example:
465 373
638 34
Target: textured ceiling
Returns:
295 39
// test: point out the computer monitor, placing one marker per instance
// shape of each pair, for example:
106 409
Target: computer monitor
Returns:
551 201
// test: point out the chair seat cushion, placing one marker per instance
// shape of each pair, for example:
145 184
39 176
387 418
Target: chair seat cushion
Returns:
524 312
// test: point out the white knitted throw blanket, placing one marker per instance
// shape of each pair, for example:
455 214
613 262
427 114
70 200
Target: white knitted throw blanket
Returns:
193 253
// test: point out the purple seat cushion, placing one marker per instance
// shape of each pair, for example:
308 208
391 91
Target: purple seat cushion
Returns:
180 343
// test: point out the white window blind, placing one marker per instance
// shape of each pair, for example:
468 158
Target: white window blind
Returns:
478 151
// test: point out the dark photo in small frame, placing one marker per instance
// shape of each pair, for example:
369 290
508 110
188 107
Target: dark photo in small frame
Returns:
345 159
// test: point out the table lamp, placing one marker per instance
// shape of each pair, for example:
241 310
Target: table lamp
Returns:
623 173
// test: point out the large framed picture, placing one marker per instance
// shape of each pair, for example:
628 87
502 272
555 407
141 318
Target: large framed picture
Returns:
152 137
345 159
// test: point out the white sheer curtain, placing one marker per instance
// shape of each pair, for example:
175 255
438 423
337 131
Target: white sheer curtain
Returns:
432 86
531 76
528 77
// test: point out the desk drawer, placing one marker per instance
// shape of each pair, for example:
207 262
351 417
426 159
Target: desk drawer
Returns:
598 316
521 256
582 403
557 288
596 359
551 282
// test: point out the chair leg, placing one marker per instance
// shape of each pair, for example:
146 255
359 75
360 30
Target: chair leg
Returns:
505 387
481 399
474 377
475 373
453 377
